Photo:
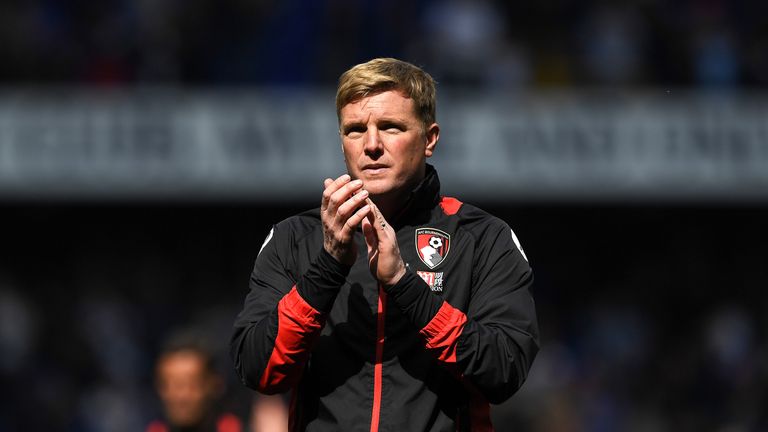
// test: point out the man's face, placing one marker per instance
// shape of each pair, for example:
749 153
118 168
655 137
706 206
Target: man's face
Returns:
185 387
384 143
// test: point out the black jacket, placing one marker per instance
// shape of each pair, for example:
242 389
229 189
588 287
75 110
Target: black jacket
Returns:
428 353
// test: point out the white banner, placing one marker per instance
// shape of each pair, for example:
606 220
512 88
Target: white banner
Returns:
279 144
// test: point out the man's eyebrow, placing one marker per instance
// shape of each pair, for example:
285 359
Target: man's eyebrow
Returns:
384 119
351 124
395 120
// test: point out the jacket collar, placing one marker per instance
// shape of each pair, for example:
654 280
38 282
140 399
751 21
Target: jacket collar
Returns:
424 197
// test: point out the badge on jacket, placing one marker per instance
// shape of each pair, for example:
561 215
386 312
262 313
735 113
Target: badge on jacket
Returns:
432 246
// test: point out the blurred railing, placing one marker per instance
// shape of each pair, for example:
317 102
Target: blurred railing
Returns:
278 144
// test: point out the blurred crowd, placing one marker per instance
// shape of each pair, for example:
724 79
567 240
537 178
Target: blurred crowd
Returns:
653 319
701 43
642 328
624 369
87 304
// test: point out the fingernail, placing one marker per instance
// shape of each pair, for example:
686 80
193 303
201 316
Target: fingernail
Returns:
345 177
357 182
363 194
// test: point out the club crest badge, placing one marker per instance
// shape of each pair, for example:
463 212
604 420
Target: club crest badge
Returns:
432 246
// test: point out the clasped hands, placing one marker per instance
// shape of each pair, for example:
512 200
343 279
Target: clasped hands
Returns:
346 205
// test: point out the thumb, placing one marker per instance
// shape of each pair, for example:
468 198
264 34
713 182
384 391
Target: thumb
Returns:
369 232
377 219
380 224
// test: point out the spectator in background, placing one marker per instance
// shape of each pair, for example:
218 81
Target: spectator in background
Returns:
463 40
269 413
612 46
190 387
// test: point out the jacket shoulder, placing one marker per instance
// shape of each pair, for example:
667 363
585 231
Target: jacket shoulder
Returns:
286 234
487 228
471 217
301 224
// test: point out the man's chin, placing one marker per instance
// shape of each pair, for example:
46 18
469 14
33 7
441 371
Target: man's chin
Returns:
377 195
377 186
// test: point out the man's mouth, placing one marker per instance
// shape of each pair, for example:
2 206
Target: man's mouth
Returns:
373 169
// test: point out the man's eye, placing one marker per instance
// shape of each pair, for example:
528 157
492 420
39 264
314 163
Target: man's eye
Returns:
355 130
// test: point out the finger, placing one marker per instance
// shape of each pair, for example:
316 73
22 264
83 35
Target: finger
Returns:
374 209
383 229
369 232
352 222
327 182
349 206
379 222
332 187
342 194
371 218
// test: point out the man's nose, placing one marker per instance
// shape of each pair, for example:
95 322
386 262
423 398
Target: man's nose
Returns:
373 144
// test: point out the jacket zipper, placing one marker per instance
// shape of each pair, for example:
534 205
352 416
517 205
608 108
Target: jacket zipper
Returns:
377 368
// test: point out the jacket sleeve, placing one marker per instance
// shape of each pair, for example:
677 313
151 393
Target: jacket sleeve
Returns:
282 314
493 344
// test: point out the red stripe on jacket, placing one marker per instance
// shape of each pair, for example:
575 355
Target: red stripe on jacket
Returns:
450 205
479 413
298 324
442 335
378 369
442 332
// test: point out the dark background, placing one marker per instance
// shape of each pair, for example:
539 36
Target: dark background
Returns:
649 314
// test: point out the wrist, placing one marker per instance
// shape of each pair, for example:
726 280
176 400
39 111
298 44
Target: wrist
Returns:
396 278
332 263
345 258
320 284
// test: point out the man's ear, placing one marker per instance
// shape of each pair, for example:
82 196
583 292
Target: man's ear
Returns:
432 135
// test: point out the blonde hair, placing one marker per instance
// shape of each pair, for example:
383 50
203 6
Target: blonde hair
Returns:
382 74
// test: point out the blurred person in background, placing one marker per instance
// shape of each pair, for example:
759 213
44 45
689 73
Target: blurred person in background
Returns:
269 413
391 306
190 388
